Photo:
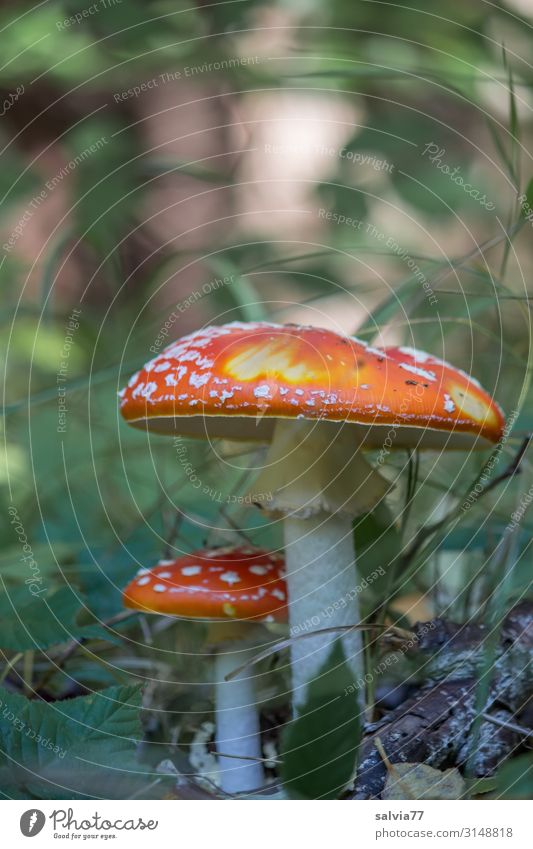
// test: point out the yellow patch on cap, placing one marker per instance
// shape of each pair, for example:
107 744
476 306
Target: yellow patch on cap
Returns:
471 406
270 358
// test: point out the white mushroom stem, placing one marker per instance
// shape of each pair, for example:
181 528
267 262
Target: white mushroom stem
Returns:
316 477
237 724
321 582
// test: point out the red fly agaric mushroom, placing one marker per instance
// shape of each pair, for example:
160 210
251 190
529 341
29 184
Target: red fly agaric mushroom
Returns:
234 588
318 398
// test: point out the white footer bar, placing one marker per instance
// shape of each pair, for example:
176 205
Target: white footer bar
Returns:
301 825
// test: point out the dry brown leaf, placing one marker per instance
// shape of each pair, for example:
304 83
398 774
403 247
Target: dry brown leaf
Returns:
419 781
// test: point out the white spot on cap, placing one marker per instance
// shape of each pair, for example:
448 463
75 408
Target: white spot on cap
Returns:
420 372
256 569
149 390
278 594
191 570
204 362
163 366
420 356
376 351
198 380
230 578
160 588
143 581
262 391
170 380
449 406
164 574
189 356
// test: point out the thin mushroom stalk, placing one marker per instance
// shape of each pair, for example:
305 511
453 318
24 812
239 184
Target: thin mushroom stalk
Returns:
235 589
237 724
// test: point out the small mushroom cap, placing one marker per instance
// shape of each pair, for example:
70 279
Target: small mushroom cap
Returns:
219 583
233 381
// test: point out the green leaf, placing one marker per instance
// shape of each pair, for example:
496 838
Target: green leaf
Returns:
46 555
515 778
377 541
34 617
479 786
164 167
237 292
526 207
74 749
320 746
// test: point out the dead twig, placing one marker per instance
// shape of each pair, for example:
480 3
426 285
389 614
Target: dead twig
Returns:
511 726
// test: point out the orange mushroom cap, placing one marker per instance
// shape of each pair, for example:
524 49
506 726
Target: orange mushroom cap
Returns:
219 583
234 380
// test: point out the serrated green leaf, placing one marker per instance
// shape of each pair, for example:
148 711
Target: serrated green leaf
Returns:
75 749
319 747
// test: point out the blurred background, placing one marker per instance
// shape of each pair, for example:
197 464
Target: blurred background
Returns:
360 166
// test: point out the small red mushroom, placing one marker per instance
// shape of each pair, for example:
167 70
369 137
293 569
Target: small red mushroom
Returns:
235 588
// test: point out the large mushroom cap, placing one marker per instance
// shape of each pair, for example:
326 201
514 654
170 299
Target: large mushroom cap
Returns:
219 583
235 380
